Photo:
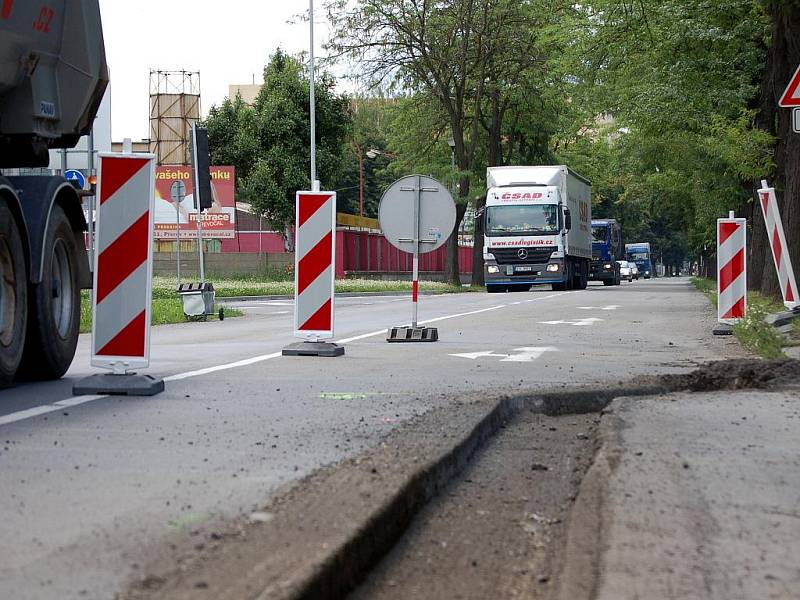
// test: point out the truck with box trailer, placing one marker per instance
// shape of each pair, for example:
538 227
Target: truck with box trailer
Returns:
606 251
53 75
537 228
639 253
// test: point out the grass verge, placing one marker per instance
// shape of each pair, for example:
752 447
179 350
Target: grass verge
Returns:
164 287
165 311
752 332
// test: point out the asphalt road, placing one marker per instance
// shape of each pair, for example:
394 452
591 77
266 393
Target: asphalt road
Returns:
92 490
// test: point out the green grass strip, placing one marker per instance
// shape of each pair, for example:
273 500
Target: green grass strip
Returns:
752 332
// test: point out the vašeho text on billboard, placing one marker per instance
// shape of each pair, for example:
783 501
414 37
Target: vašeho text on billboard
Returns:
218 221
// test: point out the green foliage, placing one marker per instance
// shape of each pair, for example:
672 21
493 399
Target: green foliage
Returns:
752 331
674 80
269 142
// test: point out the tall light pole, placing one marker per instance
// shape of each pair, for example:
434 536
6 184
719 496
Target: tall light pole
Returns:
314 182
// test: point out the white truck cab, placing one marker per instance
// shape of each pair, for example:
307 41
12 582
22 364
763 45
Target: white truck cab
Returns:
537 228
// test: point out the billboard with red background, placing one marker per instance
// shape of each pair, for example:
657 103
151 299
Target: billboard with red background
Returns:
217 222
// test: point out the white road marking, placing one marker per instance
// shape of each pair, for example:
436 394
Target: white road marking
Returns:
474 355
576 322
524 354
609 307
76 400
528 354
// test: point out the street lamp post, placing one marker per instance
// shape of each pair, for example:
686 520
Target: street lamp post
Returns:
452 143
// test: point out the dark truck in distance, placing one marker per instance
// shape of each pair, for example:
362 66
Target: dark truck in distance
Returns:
606 251
639 253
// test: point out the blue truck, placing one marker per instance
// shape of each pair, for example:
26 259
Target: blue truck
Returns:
639 253
606 251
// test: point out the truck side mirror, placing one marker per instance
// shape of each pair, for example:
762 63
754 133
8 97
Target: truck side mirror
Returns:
480 220
567 220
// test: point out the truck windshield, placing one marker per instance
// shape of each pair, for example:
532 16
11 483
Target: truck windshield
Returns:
600 234
522 219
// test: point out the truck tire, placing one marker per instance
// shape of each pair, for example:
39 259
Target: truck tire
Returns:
495 289
54 304
13 296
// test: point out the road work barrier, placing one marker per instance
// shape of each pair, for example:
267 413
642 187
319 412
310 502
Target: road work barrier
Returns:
731 269
314 273
777 244
121 299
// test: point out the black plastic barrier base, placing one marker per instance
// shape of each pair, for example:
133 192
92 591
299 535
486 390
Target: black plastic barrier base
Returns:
412 334
723 329
313 349
129 384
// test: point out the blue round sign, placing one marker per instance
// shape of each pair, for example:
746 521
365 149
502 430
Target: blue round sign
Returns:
75 178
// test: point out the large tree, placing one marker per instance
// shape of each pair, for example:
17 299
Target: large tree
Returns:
269 142
451 52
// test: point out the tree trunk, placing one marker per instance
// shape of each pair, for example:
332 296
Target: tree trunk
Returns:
477 245
782 60
452 270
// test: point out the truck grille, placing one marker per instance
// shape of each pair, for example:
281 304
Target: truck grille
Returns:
536 256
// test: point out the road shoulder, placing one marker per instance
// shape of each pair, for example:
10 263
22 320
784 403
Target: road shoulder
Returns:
690 495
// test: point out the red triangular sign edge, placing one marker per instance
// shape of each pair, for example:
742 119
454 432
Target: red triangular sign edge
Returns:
789 100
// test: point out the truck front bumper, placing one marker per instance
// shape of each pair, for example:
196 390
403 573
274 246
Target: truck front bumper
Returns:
522 274
599 272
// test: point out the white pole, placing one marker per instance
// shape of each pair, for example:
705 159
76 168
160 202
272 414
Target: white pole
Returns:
314 182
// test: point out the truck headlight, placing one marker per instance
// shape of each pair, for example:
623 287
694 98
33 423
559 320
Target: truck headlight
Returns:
493 269
607 266
552 267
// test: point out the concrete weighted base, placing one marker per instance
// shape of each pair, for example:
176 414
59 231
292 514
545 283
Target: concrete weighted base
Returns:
328 349
412 334
130 384
723 329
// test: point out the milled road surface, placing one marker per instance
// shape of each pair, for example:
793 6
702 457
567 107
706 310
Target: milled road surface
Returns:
497 531
92 493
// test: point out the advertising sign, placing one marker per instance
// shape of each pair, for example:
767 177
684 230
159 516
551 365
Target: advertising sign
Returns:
218 221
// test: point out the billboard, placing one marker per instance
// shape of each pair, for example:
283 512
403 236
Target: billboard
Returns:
218 221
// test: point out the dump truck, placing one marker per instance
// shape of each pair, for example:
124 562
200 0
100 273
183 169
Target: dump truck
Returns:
53 75
537 228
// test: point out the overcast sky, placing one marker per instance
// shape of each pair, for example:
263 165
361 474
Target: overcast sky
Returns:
228 42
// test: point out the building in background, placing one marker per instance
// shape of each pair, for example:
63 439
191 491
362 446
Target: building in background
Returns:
78 157
248 92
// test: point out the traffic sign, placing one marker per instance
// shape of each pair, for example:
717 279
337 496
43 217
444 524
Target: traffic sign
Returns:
411 197
796 120
791 95
75 178
417 215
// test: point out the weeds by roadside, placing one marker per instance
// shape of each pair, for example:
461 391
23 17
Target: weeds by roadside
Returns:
165 311
752 331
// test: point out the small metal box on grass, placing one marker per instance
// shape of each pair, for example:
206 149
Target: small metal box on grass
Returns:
198 299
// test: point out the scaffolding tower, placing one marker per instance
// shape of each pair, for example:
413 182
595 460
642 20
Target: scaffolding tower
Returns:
174 108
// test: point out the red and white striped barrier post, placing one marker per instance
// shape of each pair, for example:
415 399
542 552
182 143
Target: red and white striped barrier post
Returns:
731 270
777 244
123 265
314 274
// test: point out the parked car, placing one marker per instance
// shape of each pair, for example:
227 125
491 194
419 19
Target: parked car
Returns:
634 270
625 270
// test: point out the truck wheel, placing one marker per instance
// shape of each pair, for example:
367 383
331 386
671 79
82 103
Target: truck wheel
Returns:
54 304
13 296
495 289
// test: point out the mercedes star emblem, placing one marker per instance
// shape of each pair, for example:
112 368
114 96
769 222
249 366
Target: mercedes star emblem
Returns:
522 253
